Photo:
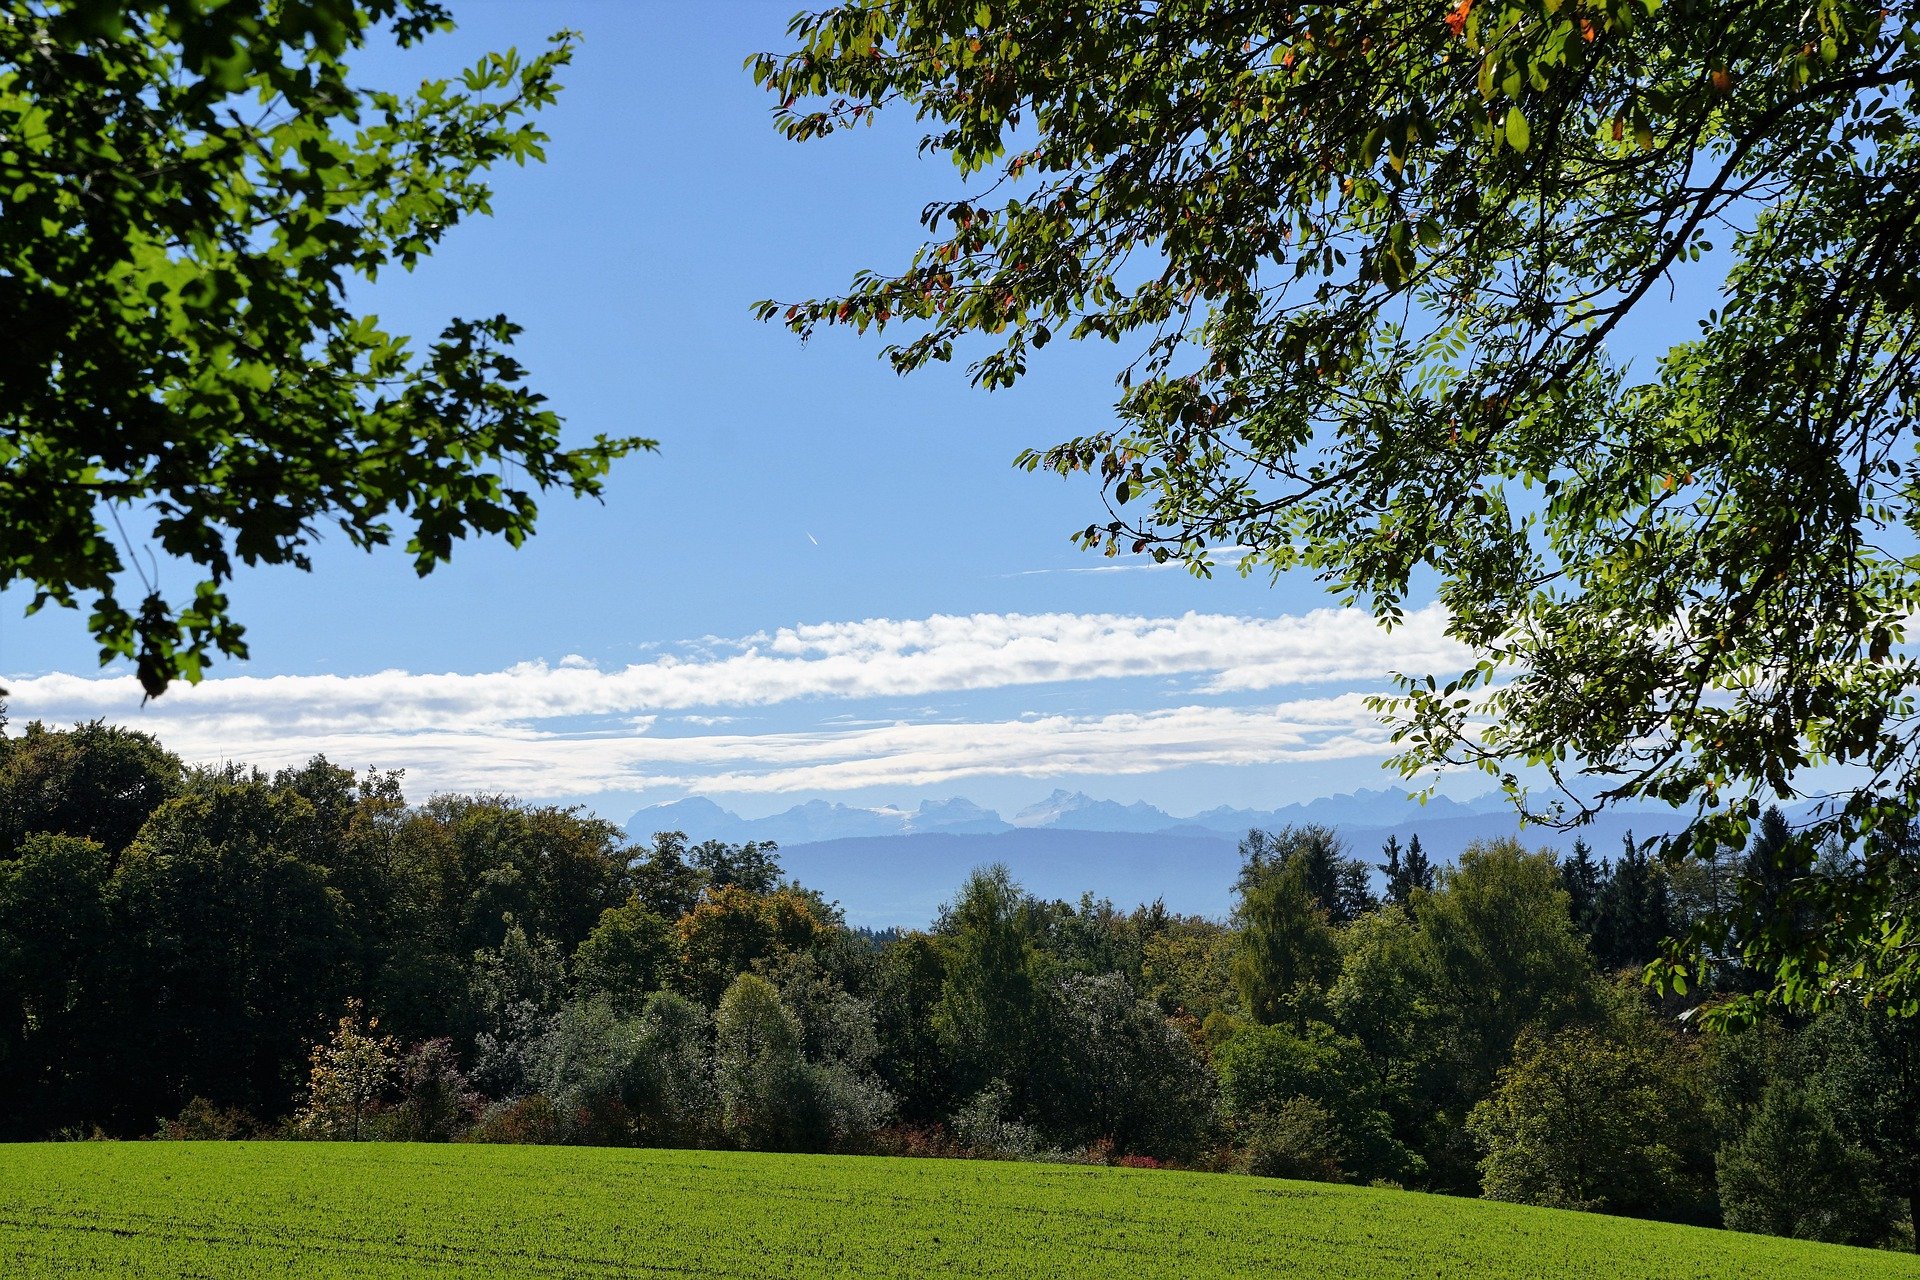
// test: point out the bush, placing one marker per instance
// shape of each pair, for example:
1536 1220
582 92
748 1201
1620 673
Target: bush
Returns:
532 1120
917 1141
1297 1139
201 1121
984 1131
840 1108
436 1103
614 1079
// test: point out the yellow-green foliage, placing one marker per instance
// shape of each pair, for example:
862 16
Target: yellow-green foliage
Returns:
389 1209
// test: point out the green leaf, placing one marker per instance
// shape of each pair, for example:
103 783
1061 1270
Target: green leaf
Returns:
1519 135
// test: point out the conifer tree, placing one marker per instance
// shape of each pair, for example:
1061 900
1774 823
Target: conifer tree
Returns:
1635 914
1582 877
1395 871
1773 862
1340 884
1420 869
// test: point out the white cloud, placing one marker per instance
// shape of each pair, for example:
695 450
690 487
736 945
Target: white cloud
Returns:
573 729
912 755
877 657
531 762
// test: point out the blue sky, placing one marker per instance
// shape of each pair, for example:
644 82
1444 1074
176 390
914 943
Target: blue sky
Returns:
829 582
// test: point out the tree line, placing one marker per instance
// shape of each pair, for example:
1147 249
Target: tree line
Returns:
231 953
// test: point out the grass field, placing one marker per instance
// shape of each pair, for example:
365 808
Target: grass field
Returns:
228 1209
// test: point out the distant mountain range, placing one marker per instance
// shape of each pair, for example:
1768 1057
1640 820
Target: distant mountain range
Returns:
896 865
818 820
702 819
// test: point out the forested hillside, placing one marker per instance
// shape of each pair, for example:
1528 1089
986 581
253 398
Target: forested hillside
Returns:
223 953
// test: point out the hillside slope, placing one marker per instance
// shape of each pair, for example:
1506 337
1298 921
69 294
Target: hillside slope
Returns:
378 1209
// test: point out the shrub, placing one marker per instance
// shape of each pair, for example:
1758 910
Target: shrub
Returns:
202 1121
983 1130
918 1141
840 1109
771 1097
532 1120
436 1103
1297 1139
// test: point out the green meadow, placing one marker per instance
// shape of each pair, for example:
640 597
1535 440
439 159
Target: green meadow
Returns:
389 1209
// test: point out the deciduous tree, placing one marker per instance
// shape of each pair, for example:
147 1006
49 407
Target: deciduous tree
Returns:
95 781
629 954
730 929
233 950
757 1065
992 1009
1288 952
1497 954
1374 269
353 1072
1609 1117
196 199
1264 1069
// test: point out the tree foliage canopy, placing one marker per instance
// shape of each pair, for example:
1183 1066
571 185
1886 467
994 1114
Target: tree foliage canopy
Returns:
189 195
1372 265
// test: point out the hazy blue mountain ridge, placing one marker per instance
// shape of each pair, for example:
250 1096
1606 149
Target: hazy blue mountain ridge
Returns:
1070 810
895 865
